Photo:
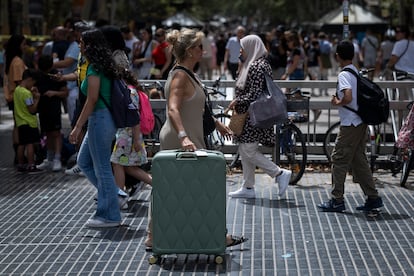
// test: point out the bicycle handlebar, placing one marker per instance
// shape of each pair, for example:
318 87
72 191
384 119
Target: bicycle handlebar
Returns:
365 71
217 82
297 91
214 90
404 75
156 84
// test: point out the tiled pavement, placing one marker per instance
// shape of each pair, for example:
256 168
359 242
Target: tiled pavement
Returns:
42 230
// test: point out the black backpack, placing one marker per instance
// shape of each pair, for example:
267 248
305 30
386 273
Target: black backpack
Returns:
373 106
123 110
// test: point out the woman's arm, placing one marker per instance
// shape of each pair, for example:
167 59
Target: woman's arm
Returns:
180 90
62 93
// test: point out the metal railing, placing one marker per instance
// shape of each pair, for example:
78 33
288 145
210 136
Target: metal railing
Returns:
314 130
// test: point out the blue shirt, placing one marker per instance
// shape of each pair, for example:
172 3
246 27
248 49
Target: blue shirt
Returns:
233 45
73 53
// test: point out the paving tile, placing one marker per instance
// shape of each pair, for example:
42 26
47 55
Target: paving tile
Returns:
42 230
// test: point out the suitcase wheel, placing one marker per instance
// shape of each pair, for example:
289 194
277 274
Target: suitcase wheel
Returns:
218 259
153 259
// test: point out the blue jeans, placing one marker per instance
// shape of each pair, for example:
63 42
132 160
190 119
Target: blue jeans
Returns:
297 74
94 160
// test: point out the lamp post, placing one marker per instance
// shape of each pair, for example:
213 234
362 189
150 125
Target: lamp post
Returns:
345 9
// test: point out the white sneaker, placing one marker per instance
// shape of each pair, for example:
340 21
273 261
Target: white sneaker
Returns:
45 165
57 166
97 223
243 193
75 170
123 202
283 180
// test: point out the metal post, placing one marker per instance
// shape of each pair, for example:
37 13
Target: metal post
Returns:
345 8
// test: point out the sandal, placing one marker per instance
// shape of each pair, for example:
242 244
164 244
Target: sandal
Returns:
235 240
148 243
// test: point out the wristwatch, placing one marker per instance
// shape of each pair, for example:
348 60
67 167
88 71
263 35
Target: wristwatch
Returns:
182 134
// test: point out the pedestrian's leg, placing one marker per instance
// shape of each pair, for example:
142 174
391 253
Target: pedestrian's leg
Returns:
249 167
341 157
360 166
101 136
84 161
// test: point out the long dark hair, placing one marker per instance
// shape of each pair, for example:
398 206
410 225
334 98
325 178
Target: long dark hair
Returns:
114 37
115 40
98 52
13 49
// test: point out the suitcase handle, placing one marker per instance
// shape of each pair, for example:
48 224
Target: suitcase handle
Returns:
187 155
191 154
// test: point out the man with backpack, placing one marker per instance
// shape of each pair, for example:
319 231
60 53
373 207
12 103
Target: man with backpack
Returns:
350 145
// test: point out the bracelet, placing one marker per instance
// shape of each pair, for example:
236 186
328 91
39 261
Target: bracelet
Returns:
181 134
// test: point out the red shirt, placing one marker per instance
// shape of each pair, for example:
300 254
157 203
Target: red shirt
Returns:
158 53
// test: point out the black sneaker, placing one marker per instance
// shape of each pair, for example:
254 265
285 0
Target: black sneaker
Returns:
21 169
332 205
33 170
371 203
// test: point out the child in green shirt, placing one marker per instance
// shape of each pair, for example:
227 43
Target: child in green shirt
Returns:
26 98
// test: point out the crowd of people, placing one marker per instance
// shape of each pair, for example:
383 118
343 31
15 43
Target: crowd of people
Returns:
76 67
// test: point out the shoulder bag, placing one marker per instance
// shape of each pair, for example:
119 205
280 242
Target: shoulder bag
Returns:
237 122
270 108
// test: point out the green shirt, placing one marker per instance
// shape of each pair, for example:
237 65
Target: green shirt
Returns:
23 98
104 88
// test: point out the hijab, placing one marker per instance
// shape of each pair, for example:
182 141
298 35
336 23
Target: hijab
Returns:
254 49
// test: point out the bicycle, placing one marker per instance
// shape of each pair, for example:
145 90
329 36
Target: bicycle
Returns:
290 149
406 155
215 141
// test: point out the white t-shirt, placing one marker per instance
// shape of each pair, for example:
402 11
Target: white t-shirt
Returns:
348 81
207 47
406 60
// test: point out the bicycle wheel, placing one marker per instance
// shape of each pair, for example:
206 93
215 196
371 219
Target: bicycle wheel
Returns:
407 165
372 148
293 153
329 140
215 141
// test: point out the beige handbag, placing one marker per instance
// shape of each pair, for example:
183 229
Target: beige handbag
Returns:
237 122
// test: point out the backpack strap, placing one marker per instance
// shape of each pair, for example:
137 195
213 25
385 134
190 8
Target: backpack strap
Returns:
104 101
356 75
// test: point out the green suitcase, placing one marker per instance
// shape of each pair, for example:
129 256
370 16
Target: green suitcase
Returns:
189 203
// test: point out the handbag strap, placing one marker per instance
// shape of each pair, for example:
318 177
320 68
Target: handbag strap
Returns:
405 51
267 78
191 74
146 47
